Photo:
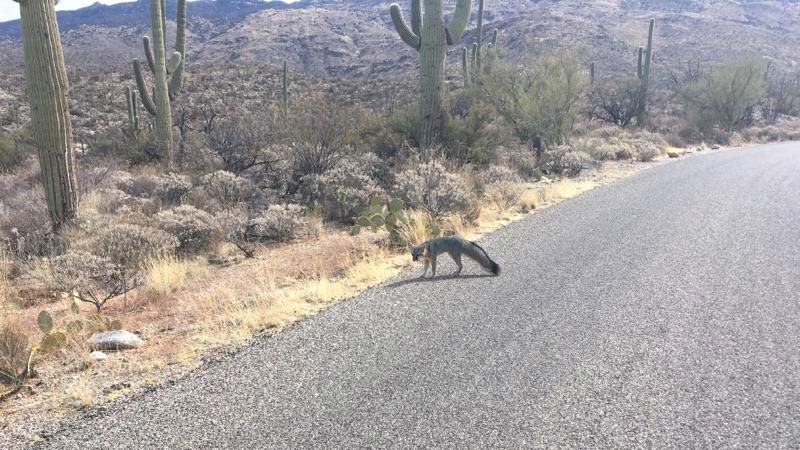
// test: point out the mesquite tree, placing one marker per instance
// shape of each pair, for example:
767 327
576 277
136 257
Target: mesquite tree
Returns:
159 104
47 86
429 35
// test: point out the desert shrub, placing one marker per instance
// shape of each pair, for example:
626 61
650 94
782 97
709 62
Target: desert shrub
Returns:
348 186
320 133
171 188
475 131
25 225
108 201
234 228
195 229
563 160
725 99
279 223
227 188
93 279
241 141
129 245
647 151
430 187
12 155
14 350
781 94
138 186
615 102
521 160
506 195
539 99
500 174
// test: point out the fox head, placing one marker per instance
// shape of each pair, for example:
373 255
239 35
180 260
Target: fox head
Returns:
417 252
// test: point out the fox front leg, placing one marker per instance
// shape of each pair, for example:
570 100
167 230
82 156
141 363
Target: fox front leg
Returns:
433 267
425 270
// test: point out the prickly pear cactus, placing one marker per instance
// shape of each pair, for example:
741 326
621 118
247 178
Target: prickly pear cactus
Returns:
47 86
429 35
378 215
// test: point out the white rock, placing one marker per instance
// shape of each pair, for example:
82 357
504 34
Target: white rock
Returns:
115 340
99 356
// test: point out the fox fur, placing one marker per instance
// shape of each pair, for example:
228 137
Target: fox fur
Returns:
455 247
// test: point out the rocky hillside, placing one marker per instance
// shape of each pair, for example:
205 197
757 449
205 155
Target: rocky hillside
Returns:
355 37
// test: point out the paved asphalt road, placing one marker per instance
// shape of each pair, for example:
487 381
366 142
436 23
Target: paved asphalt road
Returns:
662 311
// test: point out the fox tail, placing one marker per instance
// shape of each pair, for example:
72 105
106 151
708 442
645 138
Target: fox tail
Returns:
479 255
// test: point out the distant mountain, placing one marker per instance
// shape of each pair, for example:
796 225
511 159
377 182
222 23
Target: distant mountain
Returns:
220 13
355 37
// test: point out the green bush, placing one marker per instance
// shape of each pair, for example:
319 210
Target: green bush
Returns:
430 187
195 229
130 246
279 223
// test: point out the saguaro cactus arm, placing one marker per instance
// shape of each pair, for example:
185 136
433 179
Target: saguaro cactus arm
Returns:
639 66
465 67
649 48
174 62
480 34
406 33
176 82
459 21
148 53
416 16
147 99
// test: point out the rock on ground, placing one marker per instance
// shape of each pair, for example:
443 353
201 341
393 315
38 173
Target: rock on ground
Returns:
115 340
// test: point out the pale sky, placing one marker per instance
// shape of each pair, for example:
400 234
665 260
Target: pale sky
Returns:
9 10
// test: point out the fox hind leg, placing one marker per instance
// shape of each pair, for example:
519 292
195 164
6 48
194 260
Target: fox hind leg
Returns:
457 258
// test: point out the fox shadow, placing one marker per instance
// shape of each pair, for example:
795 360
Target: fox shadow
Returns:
437 278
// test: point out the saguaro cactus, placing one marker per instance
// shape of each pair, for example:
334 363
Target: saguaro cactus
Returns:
133 110
476 68
285 93
429 35
47 86
159 104
643 72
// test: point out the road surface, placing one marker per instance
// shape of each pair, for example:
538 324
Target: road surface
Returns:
662 311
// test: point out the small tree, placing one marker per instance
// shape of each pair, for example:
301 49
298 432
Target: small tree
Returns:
726 99
616 103
781 95
541 99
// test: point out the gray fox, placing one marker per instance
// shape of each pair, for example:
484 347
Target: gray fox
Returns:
455 247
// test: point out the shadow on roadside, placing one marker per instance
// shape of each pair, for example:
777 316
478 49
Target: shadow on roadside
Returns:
438 278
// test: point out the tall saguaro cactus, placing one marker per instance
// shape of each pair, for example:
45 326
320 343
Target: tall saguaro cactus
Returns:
47 86
159 104
429 35
643 72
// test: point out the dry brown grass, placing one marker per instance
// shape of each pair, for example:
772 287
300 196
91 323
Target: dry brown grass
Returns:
5 271
170 274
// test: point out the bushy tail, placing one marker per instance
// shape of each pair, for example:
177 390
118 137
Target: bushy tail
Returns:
479 255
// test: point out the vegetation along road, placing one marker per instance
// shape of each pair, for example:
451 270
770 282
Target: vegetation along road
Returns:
660 311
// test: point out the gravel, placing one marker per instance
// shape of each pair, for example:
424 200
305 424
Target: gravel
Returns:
659 311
